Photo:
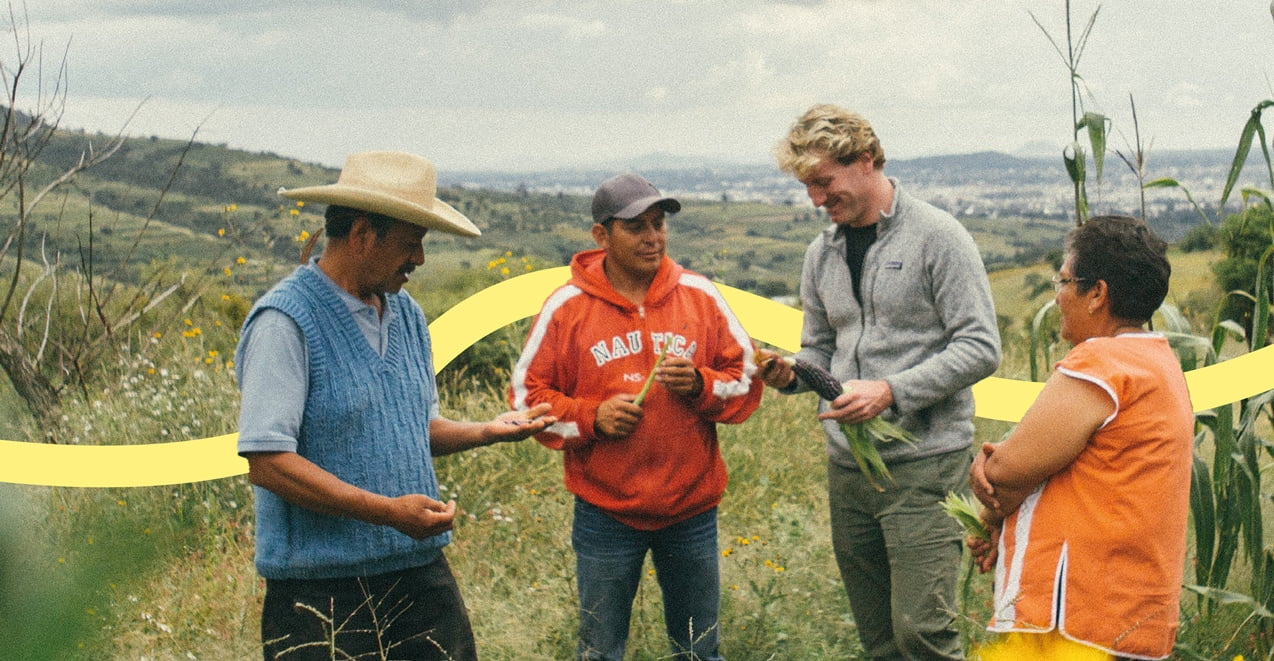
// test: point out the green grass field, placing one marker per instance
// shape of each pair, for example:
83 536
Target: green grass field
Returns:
166 572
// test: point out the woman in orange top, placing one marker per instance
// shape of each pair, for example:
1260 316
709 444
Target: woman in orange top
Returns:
1087 498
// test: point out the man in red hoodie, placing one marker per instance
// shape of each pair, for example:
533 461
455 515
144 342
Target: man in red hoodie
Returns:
647 474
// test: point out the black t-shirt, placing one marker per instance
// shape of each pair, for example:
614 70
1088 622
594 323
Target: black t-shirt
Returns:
857 241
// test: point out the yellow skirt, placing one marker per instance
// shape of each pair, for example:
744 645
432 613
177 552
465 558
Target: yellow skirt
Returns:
1050 646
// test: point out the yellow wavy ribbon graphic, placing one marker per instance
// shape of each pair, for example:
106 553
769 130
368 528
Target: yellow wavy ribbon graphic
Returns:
487 311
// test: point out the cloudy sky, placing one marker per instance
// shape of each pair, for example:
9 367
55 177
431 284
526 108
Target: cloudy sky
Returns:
530 84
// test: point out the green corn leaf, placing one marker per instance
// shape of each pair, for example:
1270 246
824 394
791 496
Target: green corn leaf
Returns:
965 512
862 438
1097 125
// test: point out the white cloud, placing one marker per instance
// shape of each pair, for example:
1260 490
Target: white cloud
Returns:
504 83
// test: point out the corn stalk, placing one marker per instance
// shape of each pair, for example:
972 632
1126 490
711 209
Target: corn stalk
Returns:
1095 125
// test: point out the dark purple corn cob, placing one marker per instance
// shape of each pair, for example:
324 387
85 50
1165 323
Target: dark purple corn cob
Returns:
818 379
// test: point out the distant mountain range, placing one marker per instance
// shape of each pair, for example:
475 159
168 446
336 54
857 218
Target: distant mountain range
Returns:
1198 170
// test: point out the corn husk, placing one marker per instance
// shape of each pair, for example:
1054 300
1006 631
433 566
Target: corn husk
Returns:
965 512
650 378
863 437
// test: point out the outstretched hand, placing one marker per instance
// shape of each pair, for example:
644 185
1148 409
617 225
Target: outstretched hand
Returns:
774 371
517 425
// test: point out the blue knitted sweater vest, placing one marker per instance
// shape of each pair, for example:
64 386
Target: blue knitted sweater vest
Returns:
365 422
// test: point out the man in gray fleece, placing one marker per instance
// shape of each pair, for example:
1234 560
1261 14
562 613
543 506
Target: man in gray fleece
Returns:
898 307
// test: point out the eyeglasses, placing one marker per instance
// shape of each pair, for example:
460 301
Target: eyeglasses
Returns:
1058 283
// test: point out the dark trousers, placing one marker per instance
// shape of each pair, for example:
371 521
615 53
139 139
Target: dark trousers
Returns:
410 614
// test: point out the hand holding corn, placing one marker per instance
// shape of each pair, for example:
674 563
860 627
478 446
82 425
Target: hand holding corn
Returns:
679 376
860 422
617 417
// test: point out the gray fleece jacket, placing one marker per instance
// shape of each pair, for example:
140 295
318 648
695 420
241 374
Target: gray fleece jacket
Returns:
927 325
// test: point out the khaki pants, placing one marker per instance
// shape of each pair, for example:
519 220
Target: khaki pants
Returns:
899 556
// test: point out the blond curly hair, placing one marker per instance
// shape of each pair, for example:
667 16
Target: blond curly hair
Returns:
827 130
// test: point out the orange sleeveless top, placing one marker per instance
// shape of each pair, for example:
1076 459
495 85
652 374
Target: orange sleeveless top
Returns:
1097 552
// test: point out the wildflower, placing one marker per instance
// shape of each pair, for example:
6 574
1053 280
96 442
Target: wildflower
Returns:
228 272
157 335
729 550
300 203
221 232
294 212
504 271
303 236
241 261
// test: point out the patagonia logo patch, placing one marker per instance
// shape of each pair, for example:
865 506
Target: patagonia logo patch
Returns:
895 265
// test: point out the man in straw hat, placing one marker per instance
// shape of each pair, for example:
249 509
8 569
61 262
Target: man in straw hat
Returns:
643 463
339 424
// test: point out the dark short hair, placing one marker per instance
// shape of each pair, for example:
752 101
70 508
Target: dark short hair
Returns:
338 220
1127 255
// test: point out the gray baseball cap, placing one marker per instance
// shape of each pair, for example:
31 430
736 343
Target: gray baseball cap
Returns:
627 196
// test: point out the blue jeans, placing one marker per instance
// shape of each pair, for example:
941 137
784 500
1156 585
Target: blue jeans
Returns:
608 562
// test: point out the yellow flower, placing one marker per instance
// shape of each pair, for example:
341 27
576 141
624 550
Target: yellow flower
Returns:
504 270
157 335
729 550
300 203
303 236
294 212
508 253
228 272
241 261
213 353
225 297
221 232
190 323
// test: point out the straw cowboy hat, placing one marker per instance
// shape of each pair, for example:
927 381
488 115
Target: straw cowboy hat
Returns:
395 184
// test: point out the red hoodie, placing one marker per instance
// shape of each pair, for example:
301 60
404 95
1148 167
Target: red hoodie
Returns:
589 344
